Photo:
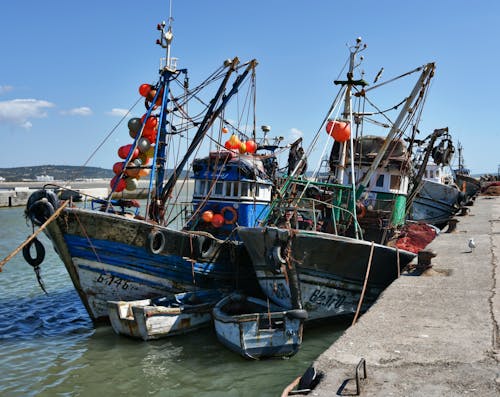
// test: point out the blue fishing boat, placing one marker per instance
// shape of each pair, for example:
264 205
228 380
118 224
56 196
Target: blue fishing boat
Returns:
257 329
157 318
112 253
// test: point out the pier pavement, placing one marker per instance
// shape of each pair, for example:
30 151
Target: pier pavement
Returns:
431 335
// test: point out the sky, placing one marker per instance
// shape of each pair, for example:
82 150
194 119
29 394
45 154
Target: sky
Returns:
69 69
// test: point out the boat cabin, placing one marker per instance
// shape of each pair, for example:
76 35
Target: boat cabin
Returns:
230 190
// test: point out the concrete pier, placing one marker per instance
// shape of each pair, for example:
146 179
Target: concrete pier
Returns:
14 194
436 334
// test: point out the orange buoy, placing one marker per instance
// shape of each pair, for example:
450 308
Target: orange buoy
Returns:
144 89
118 167
118 184
339 130
217 220
123 152
207 216
251 146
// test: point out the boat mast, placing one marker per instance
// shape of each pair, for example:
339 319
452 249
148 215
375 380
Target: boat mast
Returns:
167 71
347 113
210 117
427 73
460 159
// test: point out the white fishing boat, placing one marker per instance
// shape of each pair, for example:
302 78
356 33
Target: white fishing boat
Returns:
149 319
437 196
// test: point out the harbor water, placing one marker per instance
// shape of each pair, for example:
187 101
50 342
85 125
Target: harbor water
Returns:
51 348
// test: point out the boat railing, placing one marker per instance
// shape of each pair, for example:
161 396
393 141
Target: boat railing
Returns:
177 214
313 214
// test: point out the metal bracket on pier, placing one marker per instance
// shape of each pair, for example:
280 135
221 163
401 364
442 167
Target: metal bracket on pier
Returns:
362 363
357 377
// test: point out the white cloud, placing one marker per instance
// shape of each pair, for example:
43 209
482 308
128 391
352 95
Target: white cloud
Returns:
294 134
5 88
20 111
118 112
81 111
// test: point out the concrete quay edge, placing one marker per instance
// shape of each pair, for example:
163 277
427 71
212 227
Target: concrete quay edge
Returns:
436 334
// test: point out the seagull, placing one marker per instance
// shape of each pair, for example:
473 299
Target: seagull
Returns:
472 244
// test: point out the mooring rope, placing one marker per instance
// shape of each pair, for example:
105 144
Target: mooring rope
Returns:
364 284
30 238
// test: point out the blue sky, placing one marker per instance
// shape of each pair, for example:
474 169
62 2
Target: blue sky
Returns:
70 68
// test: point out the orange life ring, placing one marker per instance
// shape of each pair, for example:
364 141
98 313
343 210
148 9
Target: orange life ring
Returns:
234 215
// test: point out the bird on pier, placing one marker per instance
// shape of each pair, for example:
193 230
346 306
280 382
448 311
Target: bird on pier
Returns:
471 244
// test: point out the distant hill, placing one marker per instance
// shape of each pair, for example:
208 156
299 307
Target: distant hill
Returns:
59 172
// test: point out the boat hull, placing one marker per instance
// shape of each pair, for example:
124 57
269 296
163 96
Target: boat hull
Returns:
109 258
471 184
255 330
436 203
150 319
325 273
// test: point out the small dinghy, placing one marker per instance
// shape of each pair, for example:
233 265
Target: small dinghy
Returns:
256 329
161 317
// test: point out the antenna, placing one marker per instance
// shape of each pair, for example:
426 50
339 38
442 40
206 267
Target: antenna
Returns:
165 40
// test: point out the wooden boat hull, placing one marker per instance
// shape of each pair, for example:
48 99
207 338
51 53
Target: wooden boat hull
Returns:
249 327
108 258
436 203
329 270
150 319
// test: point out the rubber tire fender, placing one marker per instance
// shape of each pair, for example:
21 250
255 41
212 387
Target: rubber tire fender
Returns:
209 251
40 253
155 242
44 197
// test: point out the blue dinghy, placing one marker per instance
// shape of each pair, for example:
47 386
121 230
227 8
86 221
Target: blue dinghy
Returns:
256 329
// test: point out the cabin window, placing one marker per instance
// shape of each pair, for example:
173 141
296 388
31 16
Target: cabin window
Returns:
219 188
256 190
244 188
228 188
236 187
200 188
395 182
265 192
380 181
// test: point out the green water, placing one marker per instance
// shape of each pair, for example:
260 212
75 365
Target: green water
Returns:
50 348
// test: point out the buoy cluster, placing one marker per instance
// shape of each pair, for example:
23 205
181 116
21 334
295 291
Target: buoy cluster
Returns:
218 220
234 143
139 153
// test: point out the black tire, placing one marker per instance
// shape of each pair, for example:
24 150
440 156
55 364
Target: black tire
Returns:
209 249
40 253
155 242
40 211
41 205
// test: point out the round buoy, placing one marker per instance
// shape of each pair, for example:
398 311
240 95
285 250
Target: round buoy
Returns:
339 130
217 220
207 216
